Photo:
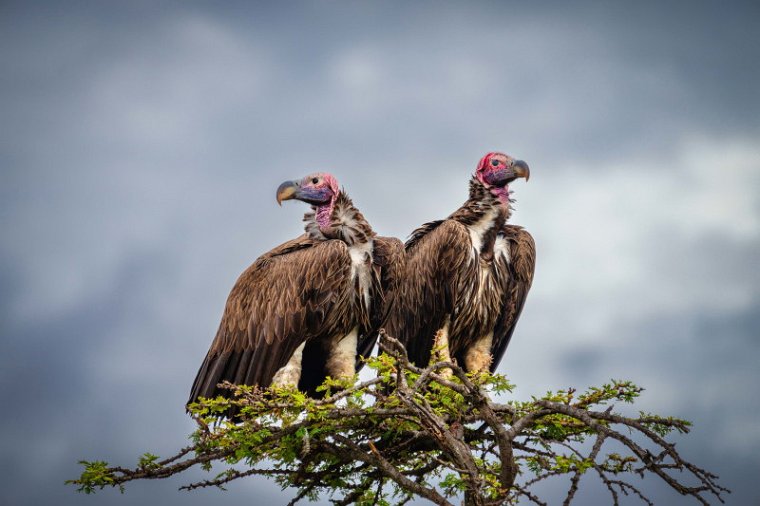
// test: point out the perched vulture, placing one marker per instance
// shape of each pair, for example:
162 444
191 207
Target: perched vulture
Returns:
466 277
308 308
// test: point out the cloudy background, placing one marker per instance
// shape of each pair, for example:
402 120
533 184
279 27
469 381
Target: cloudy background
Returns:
141 144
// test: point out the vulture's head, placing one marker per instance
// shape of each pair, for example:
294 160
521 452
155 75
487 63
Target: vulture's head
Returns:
318 189
496 170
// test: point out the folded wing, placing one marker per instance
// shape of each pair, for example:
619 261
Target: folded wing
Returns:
298 292
522 265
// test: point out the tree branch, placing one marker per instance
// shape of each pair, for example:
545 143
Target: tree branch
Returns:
430 432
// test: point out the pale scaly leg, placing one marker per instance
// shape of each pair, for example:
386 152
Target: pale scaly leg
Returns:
290 373
441 351
478 357
342 361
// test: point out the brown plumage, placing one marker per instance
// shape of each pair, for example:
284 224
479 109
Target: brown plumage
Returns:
467 277
333 282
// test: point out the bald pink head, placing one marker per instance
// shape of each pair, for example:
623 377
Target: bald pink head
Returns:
319 189
496 170
322 180
323 183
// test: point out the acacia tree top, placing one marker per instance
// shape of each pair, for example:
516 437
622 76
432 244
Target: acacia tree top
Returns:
424 432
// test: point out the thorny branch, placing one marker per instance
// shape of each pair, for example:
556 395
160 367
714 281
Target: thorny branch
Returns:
430 432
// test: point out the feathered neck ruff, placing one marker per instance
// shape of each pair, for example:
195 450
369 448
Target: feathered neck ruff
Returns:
482 202
338 220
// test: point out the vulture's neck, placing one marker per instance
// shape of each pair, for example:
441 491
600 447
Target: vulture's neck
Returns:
338 220
484 214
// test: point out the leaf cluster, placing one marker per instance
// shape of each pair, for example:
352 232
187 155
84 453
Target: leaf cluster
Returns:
429 432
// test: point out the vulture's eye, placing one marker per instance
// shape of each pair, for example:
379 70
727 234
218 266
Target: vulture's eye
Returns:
495 163
315 180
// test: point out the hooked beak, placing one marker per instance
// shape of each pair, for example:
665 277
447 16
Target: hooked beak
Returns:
521 169
517 169
287 191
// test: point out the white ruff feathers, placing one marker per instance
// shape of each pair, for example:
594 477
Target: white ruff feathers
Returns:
480 228
501 248
361 259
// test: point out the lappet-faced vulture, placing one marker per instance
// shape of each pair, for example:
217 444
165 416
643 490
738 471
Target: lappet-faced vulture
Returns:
311 306
466 277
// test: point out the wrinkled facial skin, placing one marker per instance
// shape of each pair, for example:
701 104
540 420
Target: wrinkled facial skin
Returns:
317 189
492 169
496 170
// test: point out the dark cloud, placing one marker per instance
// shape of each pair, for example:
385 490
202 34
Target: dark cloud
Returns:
141 145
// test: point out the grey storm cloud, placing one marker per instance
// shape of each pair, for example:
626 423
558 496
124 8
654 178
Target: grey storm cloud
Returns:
141 146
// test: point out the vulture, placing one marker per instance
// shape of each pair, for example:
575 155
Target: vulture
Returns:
466 277
308 308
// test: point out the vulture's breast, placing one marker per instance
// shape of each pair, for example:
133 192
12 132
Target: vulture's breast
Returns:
481 300
361 272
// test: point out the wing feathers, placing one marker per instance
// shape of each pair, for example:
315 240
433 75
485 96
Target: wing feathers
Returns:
299 291
522 253
442 277
388 259
437 255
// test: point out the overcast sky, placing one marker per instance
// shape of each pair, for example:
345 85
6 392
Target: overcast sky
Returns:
141 144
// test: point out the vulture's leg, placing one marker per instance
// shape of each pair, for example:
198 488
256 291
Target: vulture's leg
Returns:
289 375
441 351
342 361
478 357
